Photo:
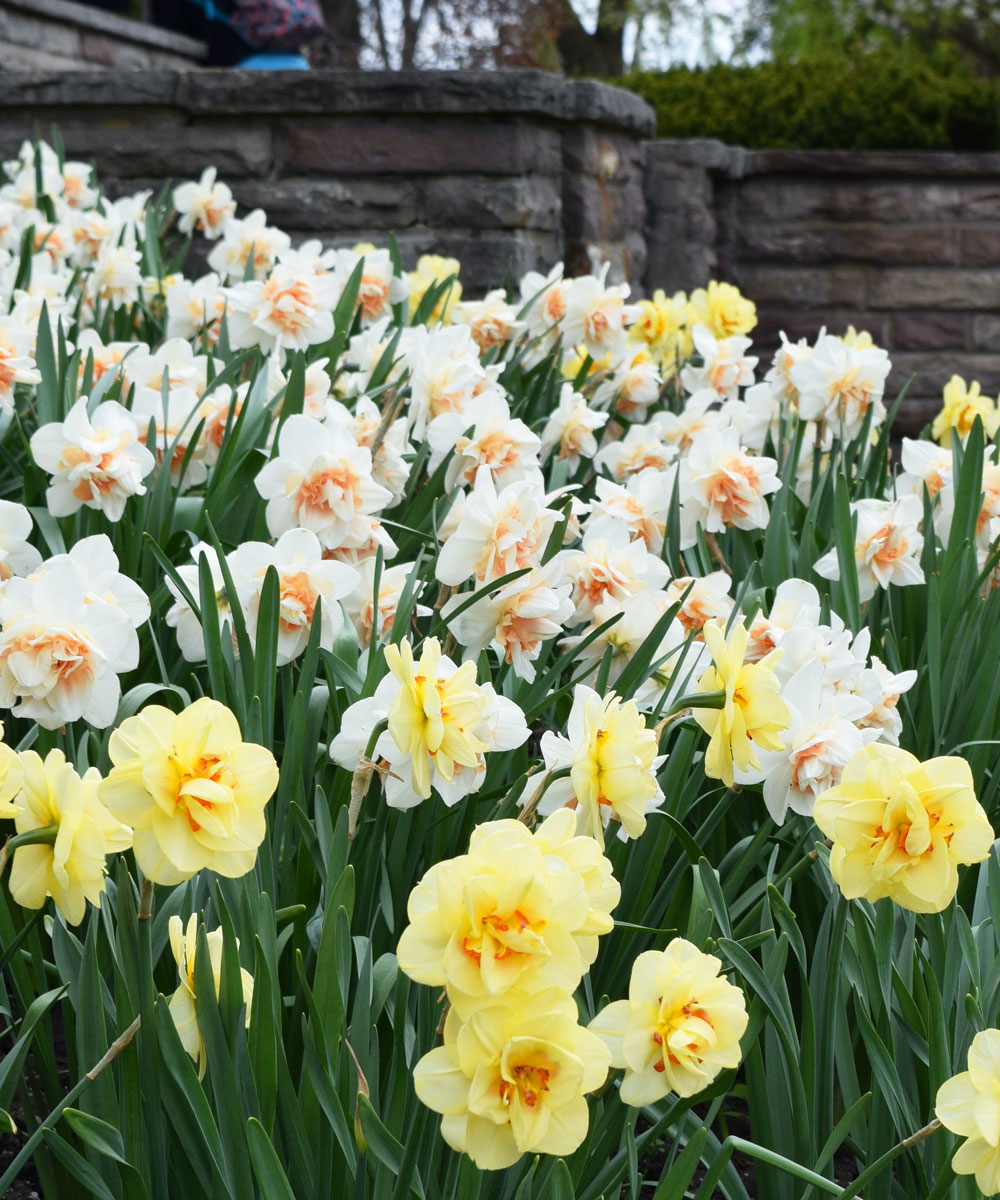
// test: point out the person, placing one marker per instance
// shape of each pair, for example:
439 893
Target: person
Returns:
209 21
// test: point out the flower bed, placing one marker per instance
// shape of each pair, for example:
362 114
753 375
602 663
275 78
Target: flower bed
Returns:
478 747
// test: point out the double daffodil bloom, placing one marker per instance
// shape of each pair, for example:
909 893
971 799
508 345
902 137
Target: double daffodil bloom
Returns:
613 765
433 716
191 788
512 1079
753 713
518 913
70 868
723 309
680 1026
901 827
961 405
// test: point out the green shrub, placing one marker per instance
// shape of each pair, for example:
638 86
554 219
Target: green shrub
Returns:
891 101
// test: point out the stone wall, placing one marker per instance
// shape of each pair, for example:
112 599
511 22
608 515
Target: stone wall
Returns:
906 245
508 171
60 35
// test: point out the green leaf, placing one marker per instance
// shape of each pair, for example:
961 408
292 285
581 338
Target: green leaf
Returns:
97 1134
266 1164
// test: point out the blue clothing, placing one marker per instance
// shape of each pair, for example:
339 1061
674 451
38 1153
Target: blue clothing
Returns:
273 62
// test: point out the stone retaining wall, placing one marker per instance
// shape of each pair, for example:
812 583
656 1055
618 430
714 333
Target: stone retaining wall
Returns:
60 35
906 245
508 171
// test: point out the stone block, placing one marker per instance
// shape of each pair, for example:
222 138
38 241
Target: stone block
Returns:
315 204
782 198
877 243
810 287
38 33
929 288
24 58
708 154
598 210
794 323
143 142
981 246
530 202
920 164
986 332
600 152
931 371
367 145
930 331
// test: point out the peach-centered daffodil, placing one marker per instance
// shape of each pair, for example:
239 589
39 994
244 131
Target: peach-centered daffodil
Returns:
680 1026
753 712
183 944
433 716
191 788
518 913
513 1078
901 827
71 867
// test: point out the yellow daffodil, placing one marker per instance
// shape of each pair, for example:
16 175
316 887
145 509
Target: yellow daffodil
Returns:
433 716
573 363
612 767
900 827
506 917
969 1105
662 325
512 1079
754 713
722 309
557 836
70 868
858 339
961 407
191 788
184 943
680 1026
11 775
432 269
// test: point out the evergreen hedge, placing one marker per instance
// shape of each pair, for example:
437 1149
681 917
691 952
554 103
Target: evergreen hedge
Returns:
891 101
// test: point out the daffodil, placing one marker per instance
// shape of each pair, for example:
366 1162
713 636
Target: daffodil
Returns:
612 763
723 309
433 716
680 1026
71 867
753 714
961 405
431 270
513 1078
183 944
511 916
662 325
969 1105
191 788
901 827
11 775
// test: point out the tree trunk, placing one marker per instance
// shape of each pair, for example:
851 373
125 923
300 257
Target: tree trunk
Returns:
342 45
597 53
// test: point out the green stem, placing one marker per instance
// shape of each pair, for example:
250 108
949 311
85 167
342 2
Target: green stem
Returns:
33 837
116 1047
880 1164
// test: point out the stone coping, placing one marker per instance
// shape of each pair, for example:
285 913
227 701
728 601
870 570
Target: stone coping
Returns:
228 91
83 15
737 161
